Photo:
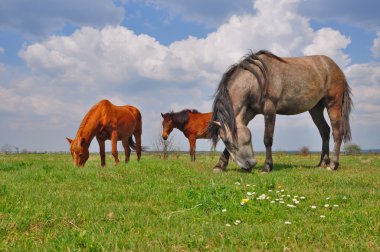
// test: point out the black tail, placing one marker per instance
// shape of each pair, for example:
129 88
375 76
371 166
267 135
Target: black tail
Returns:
345 128
132 145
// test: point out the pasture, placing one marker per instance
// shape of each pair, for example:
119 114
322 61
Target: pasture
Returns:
176 205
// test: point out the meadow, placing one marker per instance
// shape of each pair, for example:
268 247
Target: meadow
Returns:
178 205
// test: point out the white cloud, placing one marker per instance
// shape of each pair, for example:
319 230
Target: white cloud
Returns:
376 47
330 42
2 50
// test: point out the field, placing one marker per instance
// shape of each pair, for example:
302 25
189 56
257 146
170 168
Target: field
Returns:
176 205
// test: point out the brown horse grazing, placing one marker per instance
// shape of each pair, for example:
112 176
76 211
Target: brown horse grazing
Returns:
192 123
263 83
106 121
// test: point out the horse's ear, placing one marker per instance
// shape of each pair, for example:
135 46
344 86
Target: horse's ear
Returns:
69 140
215 123
162 115
83 142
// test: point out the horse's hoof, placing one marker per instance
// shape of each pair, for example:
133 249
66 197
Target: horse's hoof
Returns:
218 169
267 168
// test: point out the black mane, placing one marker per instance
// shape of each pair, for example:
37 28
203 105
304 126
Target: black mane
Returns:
182 117
222 110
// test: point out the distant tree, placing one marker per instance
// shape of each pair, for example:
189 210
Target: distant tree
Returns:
352 148
6 149
24 151
164 146
304 151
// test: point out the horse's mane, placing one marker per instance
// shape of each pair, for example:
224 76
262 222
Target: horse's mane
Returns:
222 110
181 117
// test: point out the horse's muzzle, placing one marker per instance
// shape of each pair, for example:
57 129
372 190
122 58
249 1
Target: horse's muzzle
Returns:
165 137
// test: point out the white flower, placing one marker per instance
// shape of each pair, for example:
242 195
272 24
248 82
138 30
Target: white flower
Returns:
327 198
228 225
272 201
249 193
269 190
288 196
291 206
237 222
322 216
336 206
326 205
296 202
282 190
248 185
242 203
313 207
287 222
237 183
282 202
344 197
302 197
276 199
224 210
277 191
295 196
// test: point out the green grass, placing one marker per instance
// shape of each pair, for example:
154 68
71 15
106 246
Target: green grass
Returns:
176 205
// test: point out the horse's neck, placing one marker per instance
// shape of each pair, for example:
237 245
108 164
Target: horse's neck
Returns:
88 129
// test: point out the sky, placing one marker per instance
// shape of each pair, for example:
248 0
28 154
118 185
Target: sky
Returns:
58 58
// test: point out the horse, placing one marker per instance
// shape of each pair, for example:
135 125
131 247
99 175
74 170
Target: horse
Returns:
192 123
263 83
106 121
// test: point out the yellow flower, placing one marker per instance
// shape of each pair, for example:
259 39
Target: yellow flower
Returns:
245 200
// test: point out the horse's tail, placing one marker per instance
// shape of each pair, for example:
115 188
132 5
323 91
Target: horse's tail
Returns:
345 128
132 143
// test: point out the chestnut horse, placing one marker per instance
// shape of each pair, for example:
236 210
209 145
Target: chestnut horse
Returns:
192 123
263 83
106 121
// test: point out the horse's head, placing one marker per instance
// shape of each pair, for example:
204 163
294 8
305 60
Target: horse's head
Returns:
167 125
79 150
239 147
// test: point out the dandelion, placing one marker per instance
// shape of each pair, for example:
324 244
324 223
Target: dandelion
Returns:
228 225
313 207
322 216
224 210
288 222
326 205
245 200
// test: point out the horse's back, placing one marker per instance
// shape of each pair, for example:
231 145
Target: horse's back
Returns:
301 82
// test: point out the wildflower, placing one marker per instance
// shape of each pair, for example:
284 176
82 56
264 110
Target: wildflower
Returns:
249 193
335 205
279 187
269 190
287 222
302 197
296 202
282 190
245 200
282 202
228 225
242 203
326 205
313 207
322 216
344 197
295 196
248 185
277 191
327 198
276 199
224 210
288 196
237 183
290 205
272 201
237 222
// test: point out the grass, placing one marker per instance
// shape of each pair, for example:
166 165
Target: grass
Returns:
177 205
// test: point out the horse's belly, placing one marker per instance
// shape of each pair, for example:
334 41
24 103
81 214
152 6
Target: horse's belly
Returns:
293 107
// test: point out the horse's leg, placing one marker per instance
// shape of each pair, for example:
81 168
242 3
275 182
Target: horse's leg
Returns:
324 130
127 150
102 151
138 144
192 141
270 120
335 117
114 146
223 162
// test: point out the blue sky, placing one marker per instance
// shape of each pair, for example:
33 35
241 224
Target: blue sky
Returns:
58 58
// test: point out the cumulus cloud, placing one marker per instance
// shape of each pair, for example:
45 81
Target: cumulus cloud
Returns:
329 42
39 18
376 47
